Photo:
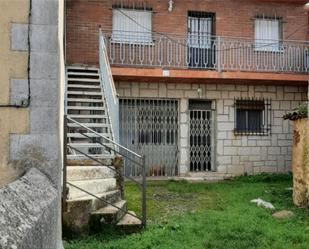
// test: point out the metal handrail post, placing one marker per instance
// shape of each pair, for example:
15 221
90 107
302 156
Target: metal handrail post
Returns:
218 48
64 164
144 206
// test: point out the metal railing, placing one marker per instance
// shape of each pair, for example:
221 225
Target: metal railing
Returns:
207 52
119 150
108 86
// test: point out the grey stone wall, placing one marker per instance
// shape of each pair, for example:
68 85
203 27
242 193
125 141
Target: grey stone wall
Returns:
41 147
28 213
235 155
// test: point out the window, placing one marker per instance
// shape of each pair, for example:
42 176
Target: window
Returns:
252 117
200 29
132 26
268 33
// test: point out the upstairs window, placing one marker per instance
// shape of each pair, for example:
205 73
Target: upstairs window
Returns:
200 29
268 33
252 117
132 26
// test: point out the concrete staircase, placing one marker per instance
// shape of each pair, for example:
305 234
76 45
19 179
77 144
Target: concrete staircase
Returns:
85 103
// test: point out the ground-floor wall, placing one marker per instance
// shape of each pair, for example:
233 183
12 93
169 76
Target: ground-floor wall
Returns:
234 154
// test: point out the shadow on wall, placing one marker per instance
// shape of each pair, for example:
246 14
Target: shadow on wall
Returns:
8 174
33 156
30 157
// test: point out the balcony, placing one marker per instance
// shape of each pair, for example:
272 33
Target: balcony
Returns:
208 53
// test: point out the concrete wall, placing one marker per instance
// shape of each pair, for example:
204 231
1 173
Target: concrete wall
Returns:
234 154
28 208
233 18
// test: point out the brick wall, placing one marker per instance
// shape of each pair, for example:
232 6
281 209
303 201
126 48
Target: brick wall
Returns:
234 154
233 18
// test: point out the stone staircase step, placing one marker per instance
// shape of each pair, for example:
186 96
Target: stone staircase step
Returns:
79 173
129 223
88 200
86 93
88 108
84 86
78 157
83 74
90 145
92 186
109 214
78 211
82 68
89 125
82 80
84 100
89 116
78 135
81 161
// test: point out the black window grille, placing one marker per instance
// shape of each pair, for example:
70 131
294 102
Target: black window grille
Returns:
252 117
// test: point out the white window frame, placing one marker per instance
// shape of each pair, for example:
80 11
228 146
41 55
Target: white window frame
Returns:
200 36
268 35
125 30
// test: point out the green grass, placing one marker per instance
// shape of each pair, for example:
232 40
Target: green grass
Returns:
211 216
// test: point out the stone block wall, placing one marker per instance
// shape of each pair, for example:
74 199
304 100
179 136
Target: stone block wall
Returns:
234 155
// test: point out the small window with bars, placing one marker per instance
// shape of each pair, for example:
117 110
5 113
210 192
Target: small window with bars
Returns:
252 117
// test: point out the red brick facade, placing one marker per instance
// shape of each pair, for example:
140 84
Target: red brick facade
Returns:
233 18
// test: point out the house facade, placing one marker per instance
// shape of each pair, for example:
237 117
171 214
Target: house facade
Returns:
202 85
31 59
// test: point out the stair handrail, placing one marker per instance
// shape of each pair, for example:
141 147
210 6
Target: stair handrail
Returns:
142 165
105 138
108 86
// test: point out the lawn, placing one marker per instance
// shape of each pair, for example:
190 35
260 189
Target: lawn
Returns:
211 216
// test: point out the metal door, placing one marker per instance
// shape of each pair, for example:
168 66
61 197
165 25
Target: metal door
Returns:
201 136
150 127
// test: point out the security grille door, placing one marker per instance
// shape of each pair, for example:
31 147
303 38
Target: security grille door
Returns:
150 127
201 136
201 51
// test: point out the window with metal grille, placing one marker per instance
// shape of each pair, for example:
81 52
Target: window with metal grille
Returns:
200 29
252 117
268 34
132 25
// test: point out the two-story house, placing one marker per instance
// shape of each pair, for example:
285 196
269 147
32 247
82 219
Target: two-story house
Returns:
202 84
